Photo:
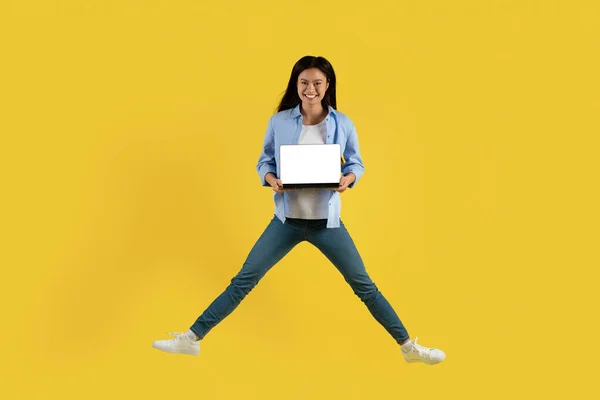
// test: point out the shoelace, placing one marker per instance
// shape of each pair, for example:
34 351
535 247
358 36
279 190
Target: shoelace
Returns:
421 350
178 335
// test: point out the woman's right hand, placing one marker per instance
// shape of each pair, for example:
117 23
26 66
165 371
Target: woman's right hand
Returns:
275 183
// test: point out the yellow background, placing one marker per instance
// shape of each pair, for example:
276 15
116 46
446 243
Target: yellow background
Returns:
130 134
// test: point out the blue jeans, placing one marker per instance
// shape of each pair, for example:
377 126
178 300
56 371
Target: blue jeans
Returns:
275 242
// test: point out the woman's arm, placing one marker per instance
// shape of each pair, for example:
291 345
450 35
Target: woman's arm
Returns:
353 161
266 161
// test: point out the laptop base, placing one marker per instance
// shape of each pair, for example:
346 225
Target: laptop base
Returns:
288 186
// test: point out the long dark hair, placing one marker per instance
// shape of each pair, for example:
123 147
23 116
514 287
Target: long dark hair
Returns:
291 99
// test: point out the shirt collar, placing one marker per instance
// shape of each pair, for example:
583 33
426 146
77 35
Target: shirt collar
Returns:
295 112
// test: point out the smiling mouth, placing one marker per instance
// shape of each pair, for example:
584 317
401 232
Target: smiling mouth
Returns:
311 96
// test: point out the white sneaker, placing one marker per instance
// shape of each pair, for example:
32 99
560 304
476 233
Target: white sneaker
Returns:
180 345
423 354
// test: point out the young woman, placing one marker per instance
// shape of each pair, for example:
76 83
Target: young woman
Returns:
307 115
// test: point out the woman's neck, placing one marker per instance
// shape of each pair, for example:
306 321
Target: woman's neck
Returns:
313 115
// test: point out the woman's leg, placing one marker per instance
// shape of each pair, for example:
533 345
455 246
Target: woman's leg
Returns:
337 245
276 241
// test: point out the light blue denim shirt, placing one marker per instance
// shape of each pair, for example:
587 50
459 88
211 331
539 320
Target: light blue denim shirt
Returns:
285 128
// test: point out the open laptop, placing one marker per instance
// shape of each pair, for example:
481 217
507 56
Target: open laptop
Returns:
310 166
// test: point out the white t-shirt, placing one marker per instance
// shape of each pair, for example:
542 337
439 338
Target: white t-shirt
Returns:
310 203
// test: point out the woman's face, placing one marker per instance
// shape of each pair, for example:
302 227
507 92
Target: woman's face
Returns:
312 85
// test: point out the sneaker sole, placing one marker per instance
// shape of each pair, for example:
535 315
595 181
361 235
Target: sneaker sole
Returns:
177 351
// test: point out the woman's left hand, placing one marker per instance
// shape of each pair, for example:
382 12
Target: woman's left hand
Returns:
346 181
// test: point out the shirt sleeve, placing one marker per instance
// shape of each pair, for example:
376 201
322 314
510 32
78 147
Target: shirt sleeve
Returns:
266 161
353 160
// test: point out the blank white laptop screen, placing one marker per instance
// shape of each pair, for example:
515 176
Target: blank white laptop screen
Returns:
310 166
